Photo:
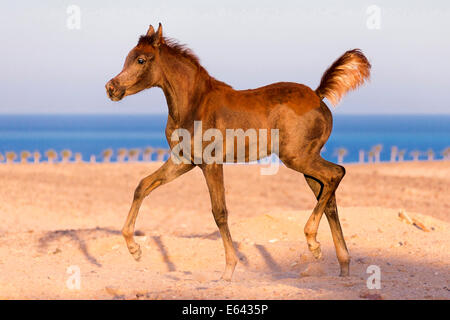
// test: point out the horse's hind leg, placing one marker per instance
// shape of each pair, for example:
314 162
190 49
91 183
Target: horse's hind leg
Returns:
214 179
329 175
167 172
331 213
313 222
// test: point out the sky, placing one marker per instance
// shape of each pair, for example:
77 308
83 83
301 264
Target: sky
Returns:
49 67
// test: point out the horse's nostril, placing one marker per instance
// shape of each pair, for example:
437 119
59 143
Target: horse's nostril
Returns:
113 91
109 88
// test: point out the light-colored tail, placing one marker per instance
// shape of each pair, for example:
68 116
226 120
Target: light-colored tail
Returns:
345 74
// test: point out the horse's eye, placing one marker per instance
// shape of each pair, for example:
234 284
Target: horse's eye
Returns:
141 61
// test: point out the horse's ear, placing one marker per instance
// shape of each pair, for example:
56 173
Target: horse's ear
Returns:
159 39
150 31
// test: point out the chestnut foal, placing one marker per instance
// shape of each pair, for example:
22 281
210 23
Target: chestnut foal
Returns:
298 112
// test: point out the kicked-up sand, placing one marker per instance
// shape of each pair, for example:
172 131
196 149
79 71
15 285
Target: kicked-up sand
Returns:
58 221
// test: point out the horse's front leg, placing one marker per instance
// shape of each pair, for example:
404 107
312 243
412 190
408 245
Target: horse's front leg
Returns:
166 173
214 179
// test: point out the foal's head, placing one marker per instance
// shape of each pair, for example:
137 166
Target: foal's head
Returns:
142 68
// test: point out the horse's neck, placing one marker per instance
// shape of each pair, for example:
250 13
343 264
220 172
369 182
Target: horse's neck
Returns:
182 85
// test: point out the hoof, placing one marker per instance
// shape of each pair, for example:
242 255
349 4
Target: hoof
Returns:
317 253
344 272
228 274
135 252
225 278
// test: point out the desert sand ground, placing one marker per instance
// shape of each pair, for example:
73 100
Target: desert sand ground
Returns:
53 216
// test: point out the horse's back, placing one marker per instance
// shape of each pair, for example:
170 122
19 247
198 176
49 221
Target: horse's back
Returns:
298 97
260 107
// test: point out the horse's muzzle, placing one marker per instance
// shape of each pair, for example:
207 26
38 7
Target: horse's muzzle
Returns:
114 92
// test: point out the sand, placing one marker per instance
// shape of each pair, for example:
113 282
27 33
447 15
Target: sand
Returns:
59 216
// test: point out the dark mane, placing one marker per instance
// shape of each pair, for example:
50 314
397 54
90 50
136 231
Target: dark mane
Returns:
174 46
180 50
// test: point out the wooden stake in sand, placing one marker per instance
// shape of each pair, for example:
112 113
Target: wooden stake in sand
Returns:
406 218
420 225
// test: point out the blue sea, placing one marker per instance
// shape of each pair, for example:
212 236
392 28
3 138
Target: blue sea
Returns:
91 134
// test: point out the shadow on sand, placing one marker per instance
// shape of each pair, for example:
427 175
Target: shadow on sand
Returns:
405 274
80 236
402 278
162 248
